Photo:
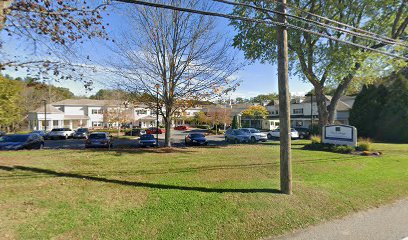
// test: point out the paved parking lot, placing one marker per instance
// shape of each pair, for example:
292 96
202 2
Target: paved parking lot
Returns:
177 141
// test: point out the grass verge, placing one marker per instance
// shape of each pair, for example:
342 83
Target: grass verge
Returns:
192 193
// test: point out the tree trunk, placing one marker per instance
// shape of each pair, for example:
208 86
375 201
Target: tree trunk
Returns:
167 126
322 107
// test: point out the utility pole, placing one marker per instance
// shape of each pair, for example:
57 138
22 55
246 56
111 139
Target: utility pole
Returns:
45 114
284 103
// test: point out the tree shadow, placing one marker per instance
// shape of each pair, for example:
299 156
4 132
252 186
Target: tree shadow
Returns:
142 184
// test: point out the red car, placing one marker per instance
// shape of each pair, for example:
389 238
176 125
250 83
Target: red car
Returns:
181 128
154 130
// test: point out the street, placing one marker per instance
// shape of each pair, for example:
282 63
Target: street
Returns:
389 222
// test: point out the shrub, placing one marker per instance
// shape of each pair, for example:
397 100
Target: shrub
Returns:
364 144
203 126
342 149
316 139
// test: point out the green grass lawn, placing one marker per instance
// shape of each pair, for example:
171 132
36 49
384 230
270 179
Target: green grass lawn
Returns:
194 193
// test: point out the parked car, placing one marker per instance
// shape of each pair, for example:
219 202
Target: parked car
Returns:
147 140
42 133
21 141
135 132
61 133
237 136
181 128
255 134
2 133
195 139
276 134
304 133
81 133
154 130
98 139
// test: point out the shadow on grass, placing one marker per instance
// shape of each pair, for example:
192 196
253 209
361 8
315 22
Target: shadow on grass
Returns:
141 184
177 149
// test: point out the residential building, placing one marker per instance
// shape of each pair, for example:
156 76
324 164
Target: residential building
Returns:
75 113
304 109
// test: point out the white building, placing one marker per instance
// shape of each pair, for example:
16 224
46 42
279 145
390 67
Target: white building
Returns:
302 110
75 113
89 113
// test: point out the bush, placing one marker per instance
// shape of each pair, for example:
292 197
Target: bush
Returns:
212 131
364 144
342 149
316 139
203 127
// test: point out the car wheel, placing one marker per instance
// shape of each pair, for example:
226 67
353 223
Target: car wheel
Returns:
269 136
301 136
253 140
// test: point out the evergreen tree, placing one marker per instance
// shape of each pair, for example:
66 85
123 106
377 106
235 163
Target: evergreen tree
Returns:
366 110
393 121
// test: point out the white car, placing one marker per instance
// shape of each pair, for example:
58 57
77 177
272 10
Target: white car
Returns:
255 135
61 133
276 134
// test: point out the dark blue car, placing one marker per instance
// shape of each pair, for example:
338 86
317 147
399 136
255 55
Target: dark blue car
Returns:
147 140
98 139
21 141
195 139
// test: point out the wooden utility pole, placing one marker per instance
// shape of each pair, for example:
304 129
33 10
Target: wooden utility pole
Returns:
284 103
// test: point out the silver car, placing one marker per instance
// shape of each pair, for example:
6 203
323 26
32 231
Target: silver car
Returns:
276 134
237 136
255 134
60 133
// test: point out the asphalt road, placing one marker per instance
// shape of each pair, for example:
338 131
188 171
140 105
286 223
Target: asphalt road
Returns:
388 222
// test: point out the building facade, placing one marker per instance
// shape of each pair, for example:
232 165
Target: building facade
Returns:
304 110
76 113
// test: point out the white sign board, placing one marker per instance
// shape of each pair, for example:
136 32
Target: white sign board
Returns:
340 135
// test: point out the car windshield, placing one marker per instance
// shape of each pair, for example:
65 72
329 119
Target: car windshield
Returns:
97 136
197 135
82 130
255 131
57 130
14 138
239 132
147 137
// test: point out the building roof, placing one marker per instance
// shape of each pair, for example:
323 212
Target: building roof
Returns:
86 102
49 109
75 117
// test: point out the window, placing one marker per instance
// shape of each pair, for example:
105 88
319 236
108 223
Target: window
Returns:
298 111
141 112
97 111
96 124
55 122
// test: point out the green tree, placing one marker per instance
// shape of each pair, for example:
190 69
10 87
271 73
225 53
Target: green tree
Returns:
104 94
255 112
393 119
366 110
265 97
10 111
324 62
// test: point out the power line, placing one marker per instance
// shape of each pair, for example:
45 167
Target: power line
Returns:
233 17
334 21
316 23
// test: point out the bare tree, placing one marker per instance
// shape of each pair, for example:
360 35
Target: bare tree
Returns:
178 52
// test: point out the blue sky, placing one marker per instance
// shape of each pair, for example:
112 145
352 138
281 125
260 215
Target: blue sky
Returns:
256 78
